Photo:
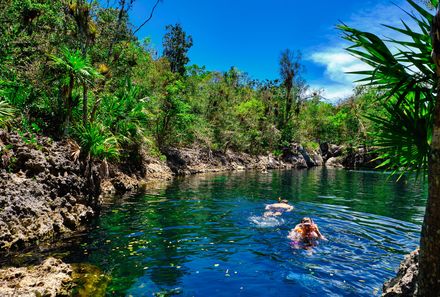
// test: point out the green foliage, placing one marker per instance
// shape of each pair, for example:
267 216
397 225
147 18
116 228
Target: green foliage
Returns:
6 113
175 47
77 65
96 141
407 82
174 118
125 114
311 145
72 65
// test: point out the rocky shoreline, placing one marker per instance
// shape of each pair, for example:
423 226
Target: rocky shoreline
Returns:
405 282
45 195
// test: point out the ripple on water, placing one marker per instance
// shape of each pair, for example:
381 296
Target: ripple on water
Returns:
266 222
359 249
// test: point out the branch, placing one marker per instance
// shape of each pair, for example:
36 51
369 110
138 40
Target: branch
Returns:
149 18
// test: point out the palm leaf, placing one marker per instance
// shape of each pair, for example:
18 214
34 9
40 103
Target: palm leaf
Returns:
6 113
407 79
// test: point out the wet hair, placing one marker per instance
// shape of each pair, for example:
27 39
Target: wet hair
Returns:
307 219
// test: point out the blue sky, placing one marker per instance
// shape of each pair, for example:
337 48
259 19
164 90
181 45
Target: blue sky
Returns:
250 34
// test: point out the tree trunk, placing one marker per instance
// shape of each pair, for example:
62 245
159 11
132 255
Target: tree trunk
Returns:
69 103
118 26
429 263
85 101
429 269
288 106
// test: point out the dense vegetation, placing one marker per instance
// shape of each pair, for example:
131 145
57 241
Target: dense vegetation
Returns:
73 69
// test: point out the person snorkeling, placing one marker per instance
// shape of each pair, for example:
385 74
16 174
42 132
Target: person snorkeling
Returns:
306 232
277 209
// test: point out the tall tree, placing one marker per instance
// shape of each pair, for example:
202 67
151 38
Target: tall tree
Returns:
176 44
410 133
429 274
290 68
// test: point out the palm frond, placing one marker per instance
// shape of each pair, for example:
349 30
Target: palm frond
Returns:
406 77
98 142
6 113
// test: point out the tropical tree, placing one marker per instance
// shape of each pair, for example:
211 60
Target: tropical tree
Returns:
74 70
289 71
125 114
409 135
97 142
175 47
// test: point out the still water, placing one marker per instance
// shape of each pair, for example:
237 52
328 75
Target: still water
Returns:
204 235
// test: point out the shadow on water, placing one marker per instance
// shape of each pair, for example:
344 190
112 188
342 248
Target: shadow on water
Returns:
200 236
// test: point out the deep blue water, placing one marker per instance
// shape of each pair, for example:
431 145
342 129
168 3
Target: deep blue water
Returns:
204 235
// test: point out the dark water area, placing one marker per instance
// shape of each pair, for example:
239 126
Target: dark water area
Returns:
204 235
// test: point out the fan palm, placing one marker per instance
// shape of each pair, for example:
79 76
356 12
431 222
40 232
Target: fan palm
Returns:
125 114
97 143
409 138
75 70
6 113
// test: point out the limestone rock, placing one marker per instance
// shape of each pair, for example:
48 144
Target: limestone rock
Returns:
50 278
42 192
405 283
335 162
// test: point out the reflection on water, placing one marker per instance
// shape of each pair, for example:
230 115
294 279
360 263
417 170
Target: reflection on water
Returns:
204 235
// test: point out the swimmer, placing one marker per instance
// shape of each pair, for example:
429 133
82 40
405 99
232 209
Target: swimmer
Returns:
306 231
277 209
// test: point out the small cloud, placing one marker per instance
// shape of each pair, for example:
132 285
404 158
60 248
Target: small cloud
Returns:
333 92
338 63
336 83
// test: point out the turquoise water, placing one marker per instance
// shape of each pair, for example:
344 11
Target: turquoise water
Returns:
204 235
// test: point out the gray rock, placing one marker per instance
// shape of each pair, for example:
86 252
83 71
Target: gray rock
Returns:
187 161
317 159
405 283
42 194
335 162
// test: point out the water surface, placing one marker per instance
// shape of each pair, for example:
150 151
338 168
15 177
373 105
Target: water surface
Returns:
204 236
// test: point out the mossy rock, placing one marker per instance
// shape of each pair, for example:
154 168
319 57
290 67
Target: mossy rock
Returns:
89 280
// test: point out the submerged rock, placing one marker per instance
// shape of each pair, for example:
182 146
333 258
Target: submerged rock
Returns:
53 278
405 283
88 280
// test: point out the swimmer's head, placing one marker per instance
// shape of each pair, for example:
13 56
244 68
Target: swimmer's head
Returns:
306 221
282 200
307 225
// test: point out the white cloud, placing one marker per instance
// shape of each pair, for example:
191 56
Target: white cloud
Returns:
337 63
337 83
332 92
